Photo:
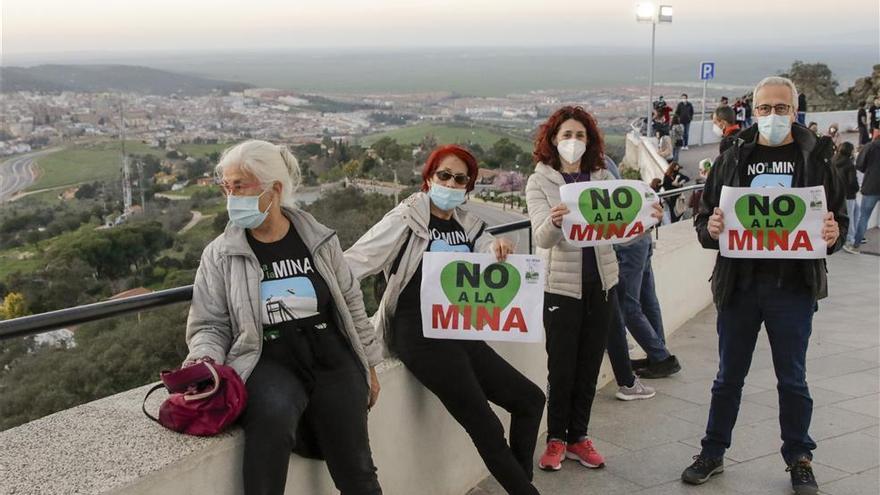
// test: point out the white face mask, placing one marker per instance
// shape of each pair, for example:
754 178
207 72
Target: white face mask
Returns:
571 150
717 130
774 128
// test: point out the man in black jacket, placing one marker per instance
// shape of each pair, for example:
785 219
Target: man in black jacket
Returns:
781 294
685 113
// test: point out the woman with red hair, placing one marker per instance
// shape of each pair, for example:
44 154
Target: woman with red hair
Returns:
577 315
464 374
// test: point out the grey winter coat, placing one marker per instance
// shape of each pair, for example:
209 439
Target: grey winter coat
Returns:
225 319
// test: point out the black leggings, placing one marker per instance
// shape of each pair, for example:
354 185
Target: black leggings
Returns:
336 413
577 330
466 376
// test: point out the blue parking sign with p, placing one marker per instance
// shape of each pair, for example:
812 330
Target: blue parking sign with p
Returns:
707 71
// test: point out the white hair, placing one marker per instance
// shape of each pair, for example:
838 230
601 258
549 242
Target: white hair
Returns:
778 81
268 163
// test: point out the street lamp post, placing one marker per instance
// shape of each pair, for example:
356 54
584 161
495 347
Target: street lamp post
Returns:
646 12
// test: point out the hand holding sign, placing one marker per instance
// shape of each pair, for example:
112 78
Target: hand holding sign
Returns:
830 229
773 222
607 212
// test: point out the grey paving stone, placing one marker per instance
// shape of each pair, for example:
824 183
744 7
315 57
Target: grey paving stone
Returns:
652 466
871 354
749 413
868 405
852 453
855 384
650 432
836 365
866 483
715 487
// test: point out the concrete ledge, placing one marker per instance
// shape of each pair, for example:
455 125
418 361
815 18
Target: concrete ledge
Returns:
107 446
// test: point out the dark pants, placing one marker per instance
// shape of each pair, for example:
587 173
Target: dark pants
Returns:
466 376
577 330
788 317
638 297
864 137
336 413
618 350
687 132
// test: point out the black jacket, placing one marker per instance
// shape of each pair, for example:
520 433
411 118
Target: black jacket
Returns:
816 171
869 163
684 111
847 170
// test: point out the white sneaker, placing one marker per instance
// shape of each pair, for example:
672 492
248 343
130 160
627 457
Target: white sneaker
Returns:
636 392
849 248
685 148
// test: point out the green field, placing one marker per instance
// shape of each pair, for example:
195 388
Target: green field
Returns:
86 163
448 133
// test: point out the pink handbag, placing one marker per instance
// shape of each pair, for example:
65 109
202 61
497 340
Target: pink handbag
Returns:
205 399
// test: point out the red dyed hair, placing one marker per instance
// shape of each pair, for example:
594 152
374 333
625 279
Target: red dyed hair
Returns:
545 151
444 151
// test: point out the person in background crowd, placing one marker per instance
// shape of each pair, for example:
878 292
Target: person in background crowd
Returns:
629 387
659 126
747 103
676 135
307 361
843 164
578 288
724 126
464 374
739 111
685 113
874 114
664 146
815 128
869 164
834 134
673 179
862 118
663 109
781 294
724 102
802 109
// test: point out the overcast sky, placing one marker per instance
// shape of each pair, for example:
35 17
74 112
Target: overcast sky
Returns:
33 26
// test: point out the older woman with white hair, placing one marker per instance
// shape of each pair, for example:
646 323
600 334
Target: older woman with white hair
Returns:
274 299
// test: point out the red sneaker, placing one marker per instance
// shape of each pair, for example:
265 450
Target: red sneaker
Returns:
552 458
585 453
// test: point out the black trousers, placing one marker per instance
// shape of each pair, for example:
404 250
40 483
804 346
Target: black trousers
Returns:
466 376
335 411
577 331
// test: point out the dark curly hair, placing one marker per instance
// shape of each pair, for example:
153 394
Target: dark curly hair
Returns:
545 151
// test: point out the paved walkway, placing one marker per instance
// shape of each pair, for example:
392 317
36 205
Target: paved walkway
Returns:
648 443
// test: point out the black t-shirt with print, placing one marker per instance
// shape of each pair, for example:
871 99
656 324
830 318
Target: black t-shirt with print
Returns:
446 236
297 308
769 166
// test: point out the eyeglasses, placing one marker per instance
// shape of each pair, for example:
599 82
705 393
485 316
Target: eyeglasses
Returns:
460 179
235 188
780 109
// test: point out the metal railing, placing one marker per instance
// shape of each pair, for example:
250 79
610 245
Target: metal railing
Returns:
53 320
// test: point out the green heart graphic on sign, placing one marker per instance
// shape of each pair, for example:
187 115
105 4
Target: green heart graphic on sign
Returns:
603 207
783 213
466 284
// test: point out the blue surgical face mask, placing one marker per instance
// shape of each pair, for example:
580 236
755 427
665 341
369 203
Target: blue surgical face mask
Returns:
446 198
774 128
244 211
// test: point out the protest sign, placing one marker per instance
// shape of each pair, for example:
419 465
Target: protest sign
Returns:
606 212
